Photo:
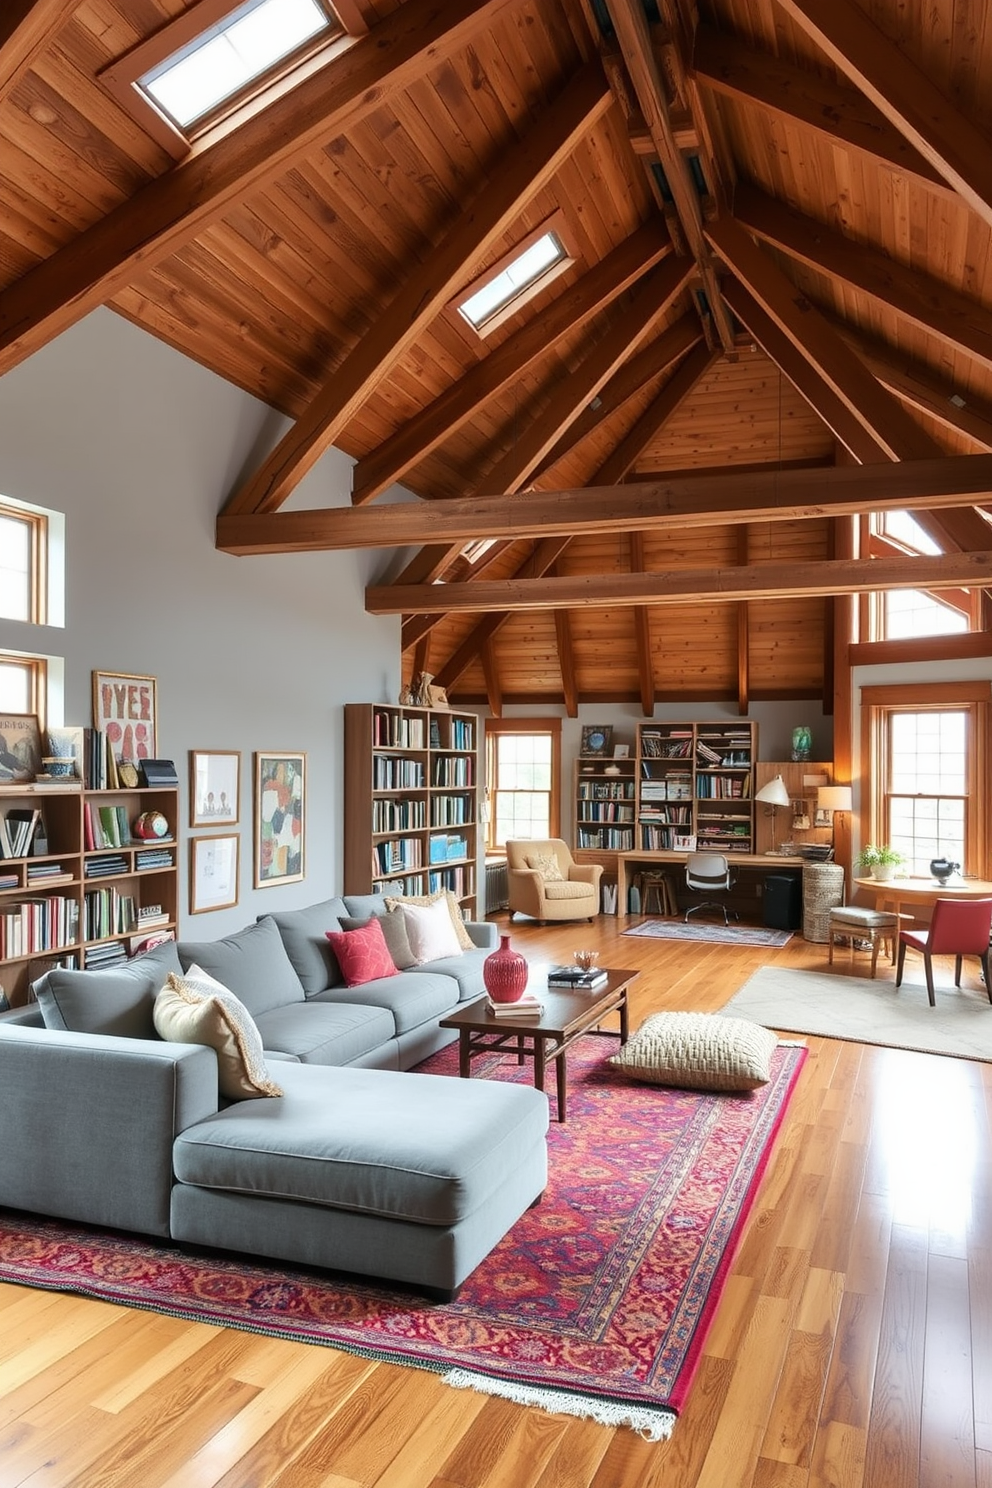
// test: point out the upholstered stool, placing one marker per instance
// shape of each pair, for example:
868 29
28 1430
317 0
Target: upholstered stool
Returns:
855 923
659 885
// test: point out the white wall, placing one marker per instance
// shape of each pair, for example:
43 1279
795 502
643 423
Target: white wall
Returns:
140 448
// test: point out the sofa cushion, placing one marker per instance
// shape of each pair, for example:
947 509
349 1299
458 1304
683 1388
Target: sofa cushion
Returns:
325 1033
412 998
465 969
304 934
431 933
377 1142
394 933
117 999
464 939
253 964
363 955
197 1010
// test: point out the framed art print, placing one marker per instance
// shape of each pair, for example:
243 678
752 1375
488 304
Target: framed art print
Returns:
596 739
125 709
280 783
214 787
20 747
213 873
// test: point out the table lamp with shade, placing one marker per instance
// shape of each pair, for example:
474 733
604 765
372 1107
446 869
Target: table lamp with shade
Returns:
773 795
834 798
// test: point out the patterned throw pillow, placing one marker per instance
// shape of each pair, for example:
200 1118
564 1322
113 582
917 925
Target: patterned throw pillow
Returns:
464 939
432 935
393 927
698 1051
546 865
362 954
195 1009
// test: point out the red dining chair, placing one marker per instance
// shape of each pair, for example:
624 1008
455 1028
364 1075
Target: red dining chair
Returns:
959 927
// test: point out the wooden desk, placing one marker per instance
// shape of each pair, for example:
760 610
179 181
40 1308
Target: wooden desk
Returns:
893 893
627 861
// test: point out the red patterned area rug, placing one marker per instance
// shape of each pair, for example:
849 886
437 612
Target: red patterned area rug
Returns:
596 1304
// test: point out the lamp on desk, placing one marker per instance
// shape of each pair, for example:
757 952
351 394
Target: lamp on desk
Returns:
774 795
834 798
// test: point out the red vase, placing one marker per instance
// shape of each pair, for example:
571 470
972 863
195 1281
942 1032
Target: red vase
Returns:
505 972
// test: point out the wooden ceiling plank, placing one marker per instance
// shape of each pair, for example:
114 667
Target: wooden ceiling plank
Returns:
812 335
460 570
496 205
659 504
962 323
842 115
636 43
164 215
27 29
598 288
642 632
699 586
678 387
566 663
904 93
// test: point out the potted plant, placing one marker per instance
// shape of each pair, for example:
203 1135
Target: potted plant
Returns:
880 862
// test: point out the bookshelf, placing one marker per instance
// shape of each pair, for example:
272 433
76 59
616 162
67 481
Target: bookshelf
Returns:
695 786
65 901
410 818
604 806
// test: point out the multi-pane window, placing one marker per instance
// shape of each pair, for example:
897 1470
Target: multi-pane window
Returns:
911 612
521 782
926 786
18 684
21 535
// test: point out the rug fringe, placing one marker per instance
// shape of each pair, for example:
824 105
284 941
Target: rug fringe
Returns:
653 1423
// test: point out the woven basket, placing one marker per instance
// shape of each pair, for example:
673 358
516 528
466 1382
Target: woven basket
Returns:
823 890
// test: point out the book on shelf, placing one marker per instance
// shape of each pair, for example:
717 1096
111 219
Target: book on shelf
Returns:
527 1004
17 832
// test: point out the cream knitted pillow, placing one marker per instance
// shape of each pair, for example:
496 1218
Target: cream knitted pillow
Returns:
698 1051
196 1009
546 864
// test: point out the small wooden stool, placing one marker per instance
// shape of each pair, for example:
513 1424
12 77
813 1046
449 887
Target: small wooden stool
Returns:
660 886
856 923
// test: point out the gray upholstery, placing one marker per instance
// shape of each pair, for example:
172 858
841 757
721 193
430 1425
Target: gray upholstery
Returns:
309 950
252 964
411 1000
325 1033
465 969
118 1000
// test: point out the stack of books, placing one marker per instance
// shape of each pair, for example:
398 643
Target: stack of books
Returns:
577 980
528 1005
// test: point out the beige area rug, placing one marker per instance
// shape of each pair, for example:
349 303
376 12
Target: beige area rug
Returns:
872 1012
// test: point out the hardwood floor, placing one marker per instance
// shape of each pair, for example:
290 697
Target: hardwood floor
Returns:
853 1344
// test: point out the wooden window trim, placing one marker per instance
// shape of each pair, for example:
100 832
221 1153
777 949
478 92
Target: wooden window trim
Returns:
556 224
37 526
552 726
37 670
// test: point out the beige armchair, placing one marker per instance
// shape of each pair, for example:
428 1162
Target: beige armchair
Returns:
546 884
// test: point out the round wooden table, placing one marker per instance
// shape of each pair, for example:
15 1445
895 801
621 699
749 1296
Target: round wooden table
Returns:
893 893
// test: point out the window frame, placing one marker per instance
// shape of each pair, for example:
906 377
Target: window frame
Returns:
494 727
556 224
37 525
878 703
36 668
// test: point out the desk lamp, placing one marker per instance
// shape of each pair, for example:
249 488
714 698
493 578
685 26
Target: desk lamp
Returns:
774 795
834 798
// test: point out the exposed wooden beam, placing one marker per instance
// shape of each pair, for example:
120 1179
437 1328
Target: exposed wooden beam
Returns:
811 334
566 663
642 632
843 115
496 205
693 586
502 367
917 385
636 43
490 671
688 501
419 571
960 322
164 215
904 93
27 27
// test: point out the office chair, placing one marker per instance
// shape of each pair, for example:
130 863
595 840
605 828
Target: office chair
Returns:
708 872
959 927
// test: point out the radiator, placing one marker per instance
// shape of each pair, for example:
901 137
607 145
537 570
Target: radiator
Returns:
497 889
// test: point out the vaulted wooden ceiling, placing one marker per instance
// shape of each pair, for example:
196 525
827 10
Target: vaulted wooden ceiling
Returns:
778 314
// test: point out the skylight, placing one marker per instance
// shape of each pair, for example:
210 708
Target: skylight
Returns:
227 57
514 280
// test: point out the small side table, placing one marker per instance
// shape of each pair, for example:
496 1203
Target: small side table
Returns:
823 890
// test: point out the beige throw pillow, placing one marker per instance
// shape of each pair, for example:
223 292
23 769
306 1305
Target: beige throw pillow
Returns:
432 935
698 1051
546 864
196 1009
464 939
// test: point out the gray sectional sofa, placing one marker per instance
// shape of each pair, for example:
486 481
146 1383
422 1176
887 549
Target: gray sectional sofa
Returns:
359 1166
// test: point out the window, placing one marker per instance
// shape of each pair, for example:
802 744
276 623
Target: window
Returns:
523 769
22 684
925 746
22 566
509 284
910 614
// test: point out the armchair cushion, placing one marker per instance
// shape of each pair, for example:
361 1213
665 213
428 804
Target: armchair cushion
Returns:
546 864
573 889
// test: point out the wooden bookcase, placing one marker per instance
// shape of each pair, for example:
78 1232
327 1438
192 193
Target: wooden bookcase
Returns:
48 897
604 805
411 788
695 786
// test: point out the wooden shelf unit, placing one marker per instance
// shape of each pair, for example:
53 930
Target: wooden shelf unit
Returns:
696 781
604 805
411 788
43 921
772 829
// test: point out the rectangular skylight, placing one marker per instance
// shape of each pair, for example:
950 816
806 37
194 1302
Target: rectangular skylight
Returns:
514 280
227 57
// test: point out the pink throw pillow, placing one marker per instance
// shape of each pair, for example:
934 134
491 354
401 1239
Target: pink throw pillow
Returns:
362 954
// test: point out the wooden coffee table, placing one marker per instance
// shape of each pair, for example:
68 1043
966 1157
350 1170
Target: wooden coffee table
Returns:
545 1036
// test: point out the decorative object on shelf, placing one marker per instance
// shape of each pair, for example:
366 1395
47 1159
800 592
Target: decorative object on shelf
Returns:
213 873
151 825
422 689
155 772
125 709
881 862
58 768
943 869
66 743
621 751
405 698
279 819
20 747
585 960
127 775
612 770
802 743
214 787
596 739
505 972
772 796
